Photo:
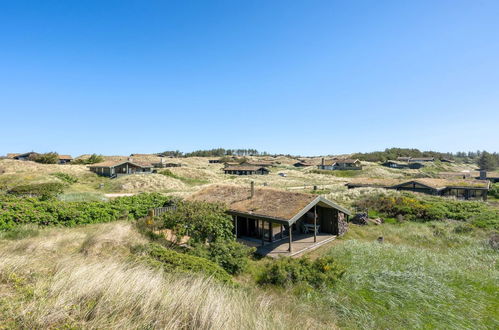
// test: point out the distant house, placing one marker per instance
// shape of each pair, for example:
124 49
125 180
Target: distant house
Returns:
114 169
163 164
245 170
461 189
416 159
421 159
491 176
400 164
11 155
259 163
273 217
340 164
447 160
26 156
302 164
65 159
214 161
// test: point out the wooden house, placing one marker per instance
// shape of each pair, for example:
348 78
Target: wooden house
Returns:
214 161
113 169
11 155
163 164
421 159
259 163
403 159
302 164
459 188
245 170
267 215
340 164
491 176
65 159
26 156
399 164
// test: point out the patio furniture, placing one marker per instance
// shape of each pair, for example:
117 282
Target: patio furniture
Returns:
309 228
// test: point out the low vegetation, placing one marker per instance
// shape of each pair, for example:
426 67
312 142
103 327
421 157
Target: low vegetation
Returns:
286 272
88 277
415 208
174 262
15 211
43 191
93 159
68 178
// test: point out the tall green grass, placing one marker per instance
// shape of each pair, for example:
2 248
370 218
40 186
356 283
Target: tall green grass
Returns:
423 276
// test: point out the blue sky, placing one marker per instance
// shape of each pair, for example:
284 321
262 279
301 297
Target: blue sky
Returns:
299 77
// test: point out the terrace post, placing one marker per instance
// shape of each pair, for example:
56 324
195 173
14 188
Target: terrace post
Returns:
315 224
263 232
290 238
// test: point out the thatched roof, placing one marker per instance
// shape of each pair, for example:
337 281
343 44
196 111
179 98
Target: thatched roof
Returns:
437 184
111 163
12 155
244 168
266 202
331 162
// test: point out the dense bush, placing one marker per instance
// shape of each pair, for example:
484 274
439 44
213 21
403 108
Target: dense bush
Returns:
321 272
15 210
203 222
428 209
173 261
494 190
93 159
230 255
42 190
65 177
47 158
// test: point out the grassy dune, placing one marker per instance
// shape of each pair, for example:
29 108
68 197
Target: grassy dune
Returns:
84 278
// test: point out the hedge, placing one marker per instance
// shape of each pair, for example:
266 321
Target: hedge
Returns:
16 210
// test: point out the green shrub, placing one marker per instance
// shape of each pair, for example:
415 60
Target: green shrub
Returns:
93 159
47 158
284 272
65 177
203 222
15 211
338 173
231 255
173 261
41 190
487 220
494 190
432 208
190 181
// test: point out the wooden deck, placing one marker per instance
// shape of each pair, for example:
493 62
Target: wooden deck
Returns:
301 244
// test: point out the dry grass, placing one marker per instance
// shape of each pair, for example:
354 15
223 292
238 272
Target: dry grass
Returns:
83 278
